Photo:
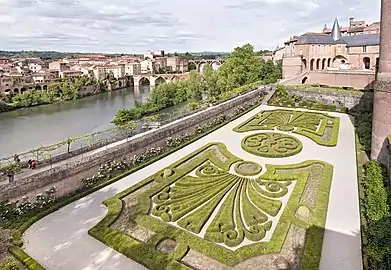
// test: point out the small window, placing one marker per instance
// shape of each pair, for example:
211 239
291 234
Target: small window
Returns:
348 49
364 49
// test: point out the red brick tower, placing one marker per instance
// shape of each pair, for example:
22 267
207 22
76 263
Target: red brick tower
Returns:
382 100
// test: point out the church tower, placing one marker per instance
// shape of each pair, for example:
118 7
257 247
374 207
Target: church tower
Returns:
382 97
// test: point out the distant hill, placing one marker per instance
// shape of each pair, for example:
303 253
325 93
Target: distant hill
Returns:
33 54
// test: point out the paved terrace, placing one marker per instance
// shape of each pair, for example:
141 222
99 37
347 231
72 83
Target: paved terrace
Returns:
60 240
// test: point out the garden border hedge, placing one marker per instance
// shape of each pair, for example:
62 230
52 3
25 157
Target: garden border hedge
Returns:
311 258
17 251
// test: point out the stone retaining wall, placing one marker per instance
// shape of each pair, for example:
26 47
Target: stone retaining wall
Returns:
85 166
347 99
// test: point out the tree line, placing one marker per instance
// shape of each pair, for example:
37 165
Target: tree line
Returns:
242 67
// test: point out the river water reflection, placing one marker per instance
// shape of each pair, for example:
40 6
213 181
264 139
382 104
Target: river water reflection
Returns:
26 129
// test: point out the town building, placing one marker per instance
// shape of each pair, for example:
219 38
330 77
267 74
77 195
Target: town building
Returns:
132 69
178 65
100 73
6 81
147 66
70 74
35 66
60 66
354 53
118 71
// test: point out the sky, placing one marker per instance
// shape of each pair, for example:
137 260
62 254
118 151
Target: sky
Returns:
129 26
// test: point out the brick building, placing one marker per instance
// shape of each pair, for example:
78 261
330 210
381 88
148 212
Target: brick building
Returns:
350 50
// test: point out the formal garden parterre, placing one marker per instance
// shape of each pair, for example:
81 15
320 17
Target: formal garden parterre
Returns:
213 209
319 127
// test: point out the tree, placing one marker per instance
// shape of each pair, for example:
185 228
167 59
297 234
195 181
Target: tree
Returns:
210 86
194 89
242 67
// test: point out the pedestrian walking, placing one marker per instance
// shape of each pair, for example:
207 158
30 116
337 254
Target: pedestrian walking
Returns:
11 176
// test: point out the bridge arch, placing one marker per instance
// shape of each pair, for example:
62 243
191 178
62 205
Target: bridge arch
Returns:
192 66
45 87
8 91
160 80
144 81
201 66
16 91
215 64
22 90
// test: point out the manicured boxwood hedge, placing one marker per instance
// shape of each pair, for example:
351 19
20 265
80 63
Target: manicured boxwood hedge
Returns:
143 253
272 144
300 122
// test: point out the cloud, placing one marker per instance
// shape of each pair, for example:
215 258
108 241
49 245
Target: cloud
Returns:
176 25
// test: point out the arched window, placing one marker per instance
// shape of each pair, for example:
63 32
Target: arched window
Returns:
312 64
318 64
323 63
304 62
367 63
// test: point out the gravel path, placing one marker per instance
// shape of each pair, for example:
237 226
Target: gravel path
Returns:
60 240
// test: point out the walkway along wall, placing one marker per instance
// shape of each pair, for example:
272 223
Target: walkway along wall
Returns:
67 175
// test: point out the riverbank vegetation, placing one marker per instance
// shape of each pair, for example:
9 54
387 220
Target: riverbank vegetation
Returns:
242 70
62 90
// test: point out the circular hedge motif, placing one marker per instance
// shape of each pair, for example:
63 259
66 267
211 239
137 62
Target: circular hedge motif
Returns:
248 168
270 144
286 128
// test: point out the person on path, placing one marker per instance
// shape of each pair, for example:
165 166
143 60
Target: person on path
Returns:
33 164
11 176
16 159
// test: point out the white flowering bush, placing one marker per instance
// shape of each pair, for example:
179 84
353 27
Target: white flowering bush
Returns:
106 171
12 211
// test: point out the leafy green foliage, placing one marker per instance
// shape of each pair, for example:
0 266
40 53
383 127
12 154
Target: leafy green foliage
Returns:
363 123
375 203
242 67
10 263
65 89
376 194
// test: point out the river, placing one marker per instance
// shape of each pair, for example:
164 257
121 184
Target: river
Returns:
25 129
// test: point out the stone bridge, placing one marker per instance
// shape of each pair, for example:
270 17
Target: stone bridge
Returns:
156 79
200 63
20 89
